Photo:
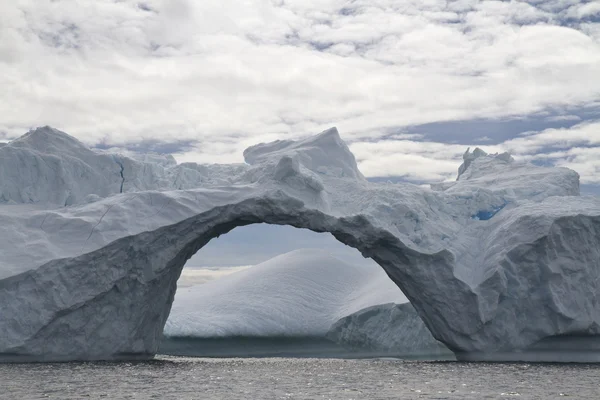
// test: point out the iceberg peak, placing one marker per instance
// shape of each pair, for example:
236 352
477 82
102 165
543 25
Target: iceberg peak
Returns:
485 158
49 140
329 137
325 153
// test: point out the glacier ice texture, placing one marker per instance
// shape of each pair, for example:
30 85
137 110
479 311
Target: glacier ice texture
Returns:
395 329
93 242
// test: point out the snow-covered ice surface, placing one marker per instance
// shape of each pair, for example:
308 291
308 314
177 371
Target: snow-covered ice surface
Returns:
300 293
93 242
393 328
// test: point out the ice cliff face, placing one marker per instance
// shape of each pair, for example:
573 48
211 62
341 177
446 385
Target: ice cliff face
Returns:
504 257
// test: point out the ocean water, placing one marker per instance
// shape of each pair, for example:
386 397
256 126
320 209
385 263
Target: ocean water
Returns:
298 378
282 346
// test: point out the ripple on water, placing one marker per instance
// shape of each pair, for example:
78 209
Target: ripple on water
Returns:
289 378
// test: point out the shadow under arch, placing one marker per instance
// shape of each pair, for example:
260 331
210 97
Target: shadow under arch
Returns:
113 303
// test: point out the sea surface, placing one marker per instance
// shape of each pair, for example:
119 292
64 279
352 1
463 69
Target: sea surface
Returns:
282 346
298 378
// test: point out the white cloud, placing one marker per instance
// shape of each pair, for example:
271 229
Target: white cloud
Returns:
577 148
123 71
414 160
584 10
583 134
229 74
558 118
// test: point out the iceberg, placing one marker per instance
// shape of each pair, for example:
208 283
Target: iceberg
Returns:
93 242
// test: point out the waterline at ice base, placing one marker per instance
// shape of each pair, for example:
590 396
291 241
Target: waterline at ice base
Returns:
502 264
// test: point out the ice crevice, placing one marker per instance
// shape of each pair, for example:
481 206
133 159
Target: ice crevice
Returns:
484 215
121 172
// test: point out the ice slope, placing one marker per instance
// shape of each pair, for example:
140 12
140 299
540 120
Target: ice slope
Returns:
300 293
393 328
504 257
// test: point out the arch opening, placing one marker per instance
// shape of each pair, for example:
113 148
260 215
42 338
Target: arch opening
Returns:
290 286
355 232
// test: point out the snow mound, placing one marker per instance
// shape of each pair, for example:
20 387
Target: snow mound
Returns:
392 328
300 293
501 259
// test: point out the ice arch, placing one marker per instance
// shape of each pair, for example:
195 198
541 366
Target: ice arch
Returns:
113 302
109 266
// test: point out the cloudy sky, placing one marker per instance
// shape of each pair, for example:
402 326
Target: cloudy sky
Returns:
409 84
